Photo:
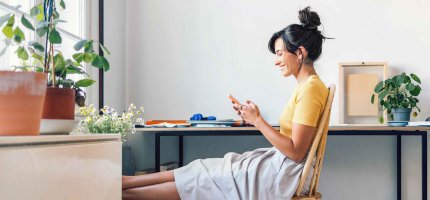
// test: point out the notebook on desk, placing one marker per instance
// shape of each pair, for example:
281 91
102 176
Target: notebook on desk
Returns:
419 123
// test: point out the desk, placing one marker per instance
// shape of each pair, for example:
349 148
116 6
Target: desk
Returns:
367 130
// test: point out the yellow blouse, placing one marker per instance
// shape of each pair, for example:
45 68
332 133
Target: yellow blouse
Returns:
305 105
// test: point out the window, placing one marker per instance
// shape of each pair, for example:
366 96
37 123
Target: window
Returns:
72 31
75 28
9 57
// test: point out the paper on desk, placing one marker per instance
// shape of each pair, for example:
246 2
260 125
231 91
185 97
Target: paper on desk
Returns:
419 123
168 125
210 125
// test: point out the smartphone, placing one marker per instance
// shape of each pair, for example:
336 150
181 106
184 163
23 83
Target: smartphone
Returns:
234 100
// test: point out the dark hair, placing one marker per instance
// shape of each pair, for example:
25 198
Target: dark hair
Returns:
306 34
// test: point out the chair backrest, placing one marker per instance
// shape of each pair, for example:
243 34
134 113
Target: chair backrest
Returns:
317 148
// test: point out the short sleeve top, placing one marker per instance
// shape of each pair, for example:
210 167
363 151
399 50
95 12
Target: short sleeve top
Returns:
305 105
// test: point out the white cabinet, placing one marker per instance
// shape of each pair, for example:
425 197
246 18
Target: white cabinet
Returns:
60 167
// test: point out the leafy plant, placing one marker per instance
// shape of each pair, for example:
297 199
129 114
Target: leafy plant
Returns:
400 91
45 58
109 121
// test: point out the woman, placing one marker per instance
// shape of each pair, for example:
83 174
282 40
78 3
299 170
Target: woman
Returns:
266 173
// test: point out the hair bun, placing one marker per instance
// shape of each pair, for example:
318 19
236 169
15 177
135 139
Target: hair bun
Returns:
309 19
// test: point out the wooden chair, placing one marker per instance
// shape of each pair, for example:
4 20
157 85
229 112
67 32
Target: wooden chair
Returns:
318 149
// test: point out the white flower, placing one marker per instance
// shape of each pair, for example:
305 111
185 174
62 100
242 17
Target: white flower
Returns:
140 121
109 121
88 119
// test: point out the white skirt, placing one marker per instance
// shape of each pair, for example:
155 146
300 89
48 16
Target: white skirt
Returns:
264 173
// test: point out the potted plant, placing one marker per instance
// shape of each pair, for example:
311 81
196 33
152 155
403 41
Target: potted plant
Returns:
398 95
22 93
21 102
62 91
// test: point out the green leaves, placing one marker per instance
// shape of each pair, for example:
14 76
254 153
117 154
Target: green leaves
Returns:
104 49
78 46
26 23
416 91
55 14
62 4
59 62
410 86
18 35
34 11
88 57
415 77
41 31
79 57
37 11
100 62
398 80
379 87
88 47
54 37
37 45
8 29
382 94
22 53
84 83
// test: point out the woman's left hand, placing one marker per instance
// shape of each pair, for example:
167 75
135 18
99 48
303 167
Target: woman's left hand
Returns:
249 112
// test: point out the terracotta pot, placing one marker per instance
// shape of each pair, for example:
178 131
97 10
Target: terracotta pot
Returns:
21 102
59 104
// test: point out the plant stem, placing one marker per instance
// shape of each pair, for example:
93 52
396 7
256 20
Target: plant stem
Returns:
46 40
53 65
51 21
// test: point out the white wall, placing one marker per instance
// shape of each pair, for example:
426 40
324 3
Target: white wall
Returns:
115 41
184 57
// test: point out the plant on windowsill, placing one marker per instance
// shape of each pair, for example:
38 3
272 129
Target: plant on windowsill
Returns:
62 91
109 121
398 95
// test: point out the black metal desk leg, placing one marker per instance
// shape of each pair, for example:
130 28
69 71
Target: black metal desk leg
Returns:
157 152
181 151
399 167
424 163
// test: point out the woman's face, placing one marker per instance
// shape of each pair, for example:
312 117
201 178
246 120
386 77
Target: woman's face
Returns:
286 61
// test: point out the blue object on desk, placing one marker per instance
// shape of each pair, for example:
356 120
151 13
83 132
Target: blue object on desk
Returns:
198 116
211 118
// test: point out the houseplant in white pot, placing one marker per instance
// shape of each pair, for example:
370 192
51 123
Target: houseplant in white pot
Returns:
62 92
398 95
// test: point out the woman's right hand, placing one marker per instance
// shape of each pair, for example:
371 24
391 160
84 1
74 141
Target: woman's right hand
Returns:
237 108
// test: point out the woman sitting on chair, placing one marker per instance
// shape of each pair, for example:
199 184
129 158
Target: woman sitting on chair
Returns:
265 173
